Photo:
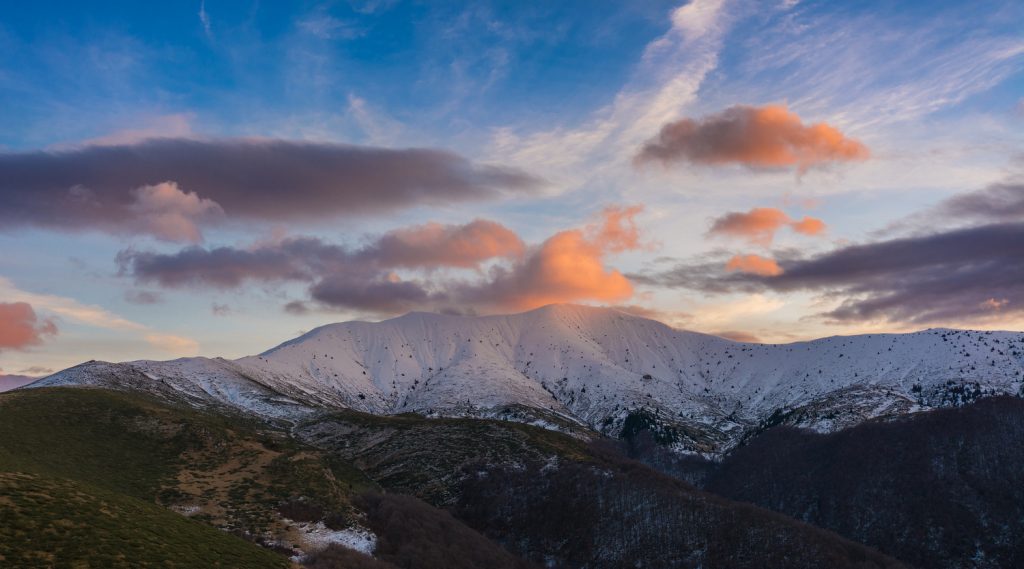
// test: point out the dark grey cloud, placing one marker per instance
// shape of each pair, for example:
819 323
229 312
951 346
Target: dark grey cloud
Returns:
338 276
964 262
968 273
98 187
373 292
567 267
144 297
296 259
997 203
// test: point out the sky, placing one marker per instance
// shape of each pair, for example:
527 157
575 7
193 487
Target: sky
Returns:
216 177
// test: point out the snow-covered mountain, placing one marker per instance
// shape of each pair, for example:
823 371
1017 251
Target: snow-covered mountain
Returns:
597 367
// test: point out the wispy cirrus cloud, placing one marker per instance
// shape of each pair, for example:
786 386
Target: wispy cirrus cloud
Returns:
204 20
63 307
872 65
667 79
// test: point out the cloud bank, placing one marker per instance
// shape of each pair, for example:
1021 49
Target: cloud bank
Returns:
169 188
411 268
972 274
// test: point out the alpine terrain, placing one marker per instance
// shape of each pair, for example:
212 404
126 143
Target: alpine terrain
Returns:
578 368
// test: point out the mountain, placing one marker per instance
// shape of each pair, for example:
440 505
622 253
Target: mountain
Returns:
577 368
939 489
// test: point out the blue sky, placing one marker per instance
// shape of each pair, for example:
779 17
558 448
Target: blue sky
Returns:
927 97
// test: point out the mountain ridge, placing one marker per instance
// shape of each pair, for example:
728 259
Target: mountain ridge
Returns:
595 368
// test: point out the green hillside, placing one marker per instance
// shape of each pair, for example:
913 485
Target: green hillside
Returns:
55 523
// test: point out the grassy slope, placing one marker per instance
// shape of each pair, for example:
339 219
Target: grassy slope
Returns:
50 522
133 454
224 471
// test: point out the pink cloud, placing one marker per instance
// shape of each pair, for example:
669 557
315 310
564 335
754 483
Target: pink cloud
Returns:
21 328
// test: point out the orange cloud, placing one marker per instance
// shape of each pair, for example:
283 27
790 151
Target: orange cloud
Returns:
759 137
617 231
809 226
567 267
759 225
754 264
20 327
437 245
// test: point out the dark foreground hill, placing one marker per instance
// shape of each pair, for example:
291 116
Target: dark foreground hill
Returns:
942 489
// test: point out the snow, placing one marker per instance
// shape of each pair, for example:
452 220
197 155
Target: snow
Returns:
586 365
317 536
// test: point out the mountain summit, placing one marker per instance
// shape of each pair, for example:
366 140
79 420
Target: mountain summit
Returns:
569 367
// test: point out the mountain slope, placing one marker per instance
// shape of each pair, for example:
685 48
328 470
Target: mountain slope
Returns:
594 367
939 489
111 458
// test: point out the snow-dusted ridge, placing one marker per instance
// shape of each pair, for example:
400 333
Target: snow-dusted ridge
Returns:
593 366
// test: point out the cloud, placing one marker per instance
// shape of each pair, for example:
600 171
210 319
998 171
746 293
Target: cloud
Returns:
218 309
20 328
327 27
437 245
92 315
757 137
956 277
9 382
384 293
429 246
569 266
143 297
759 225
167 213
617 230
809 226
170 188
997 203
177 125
296 307
37 371
754 264
204 20
664 82
959 275
69 308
